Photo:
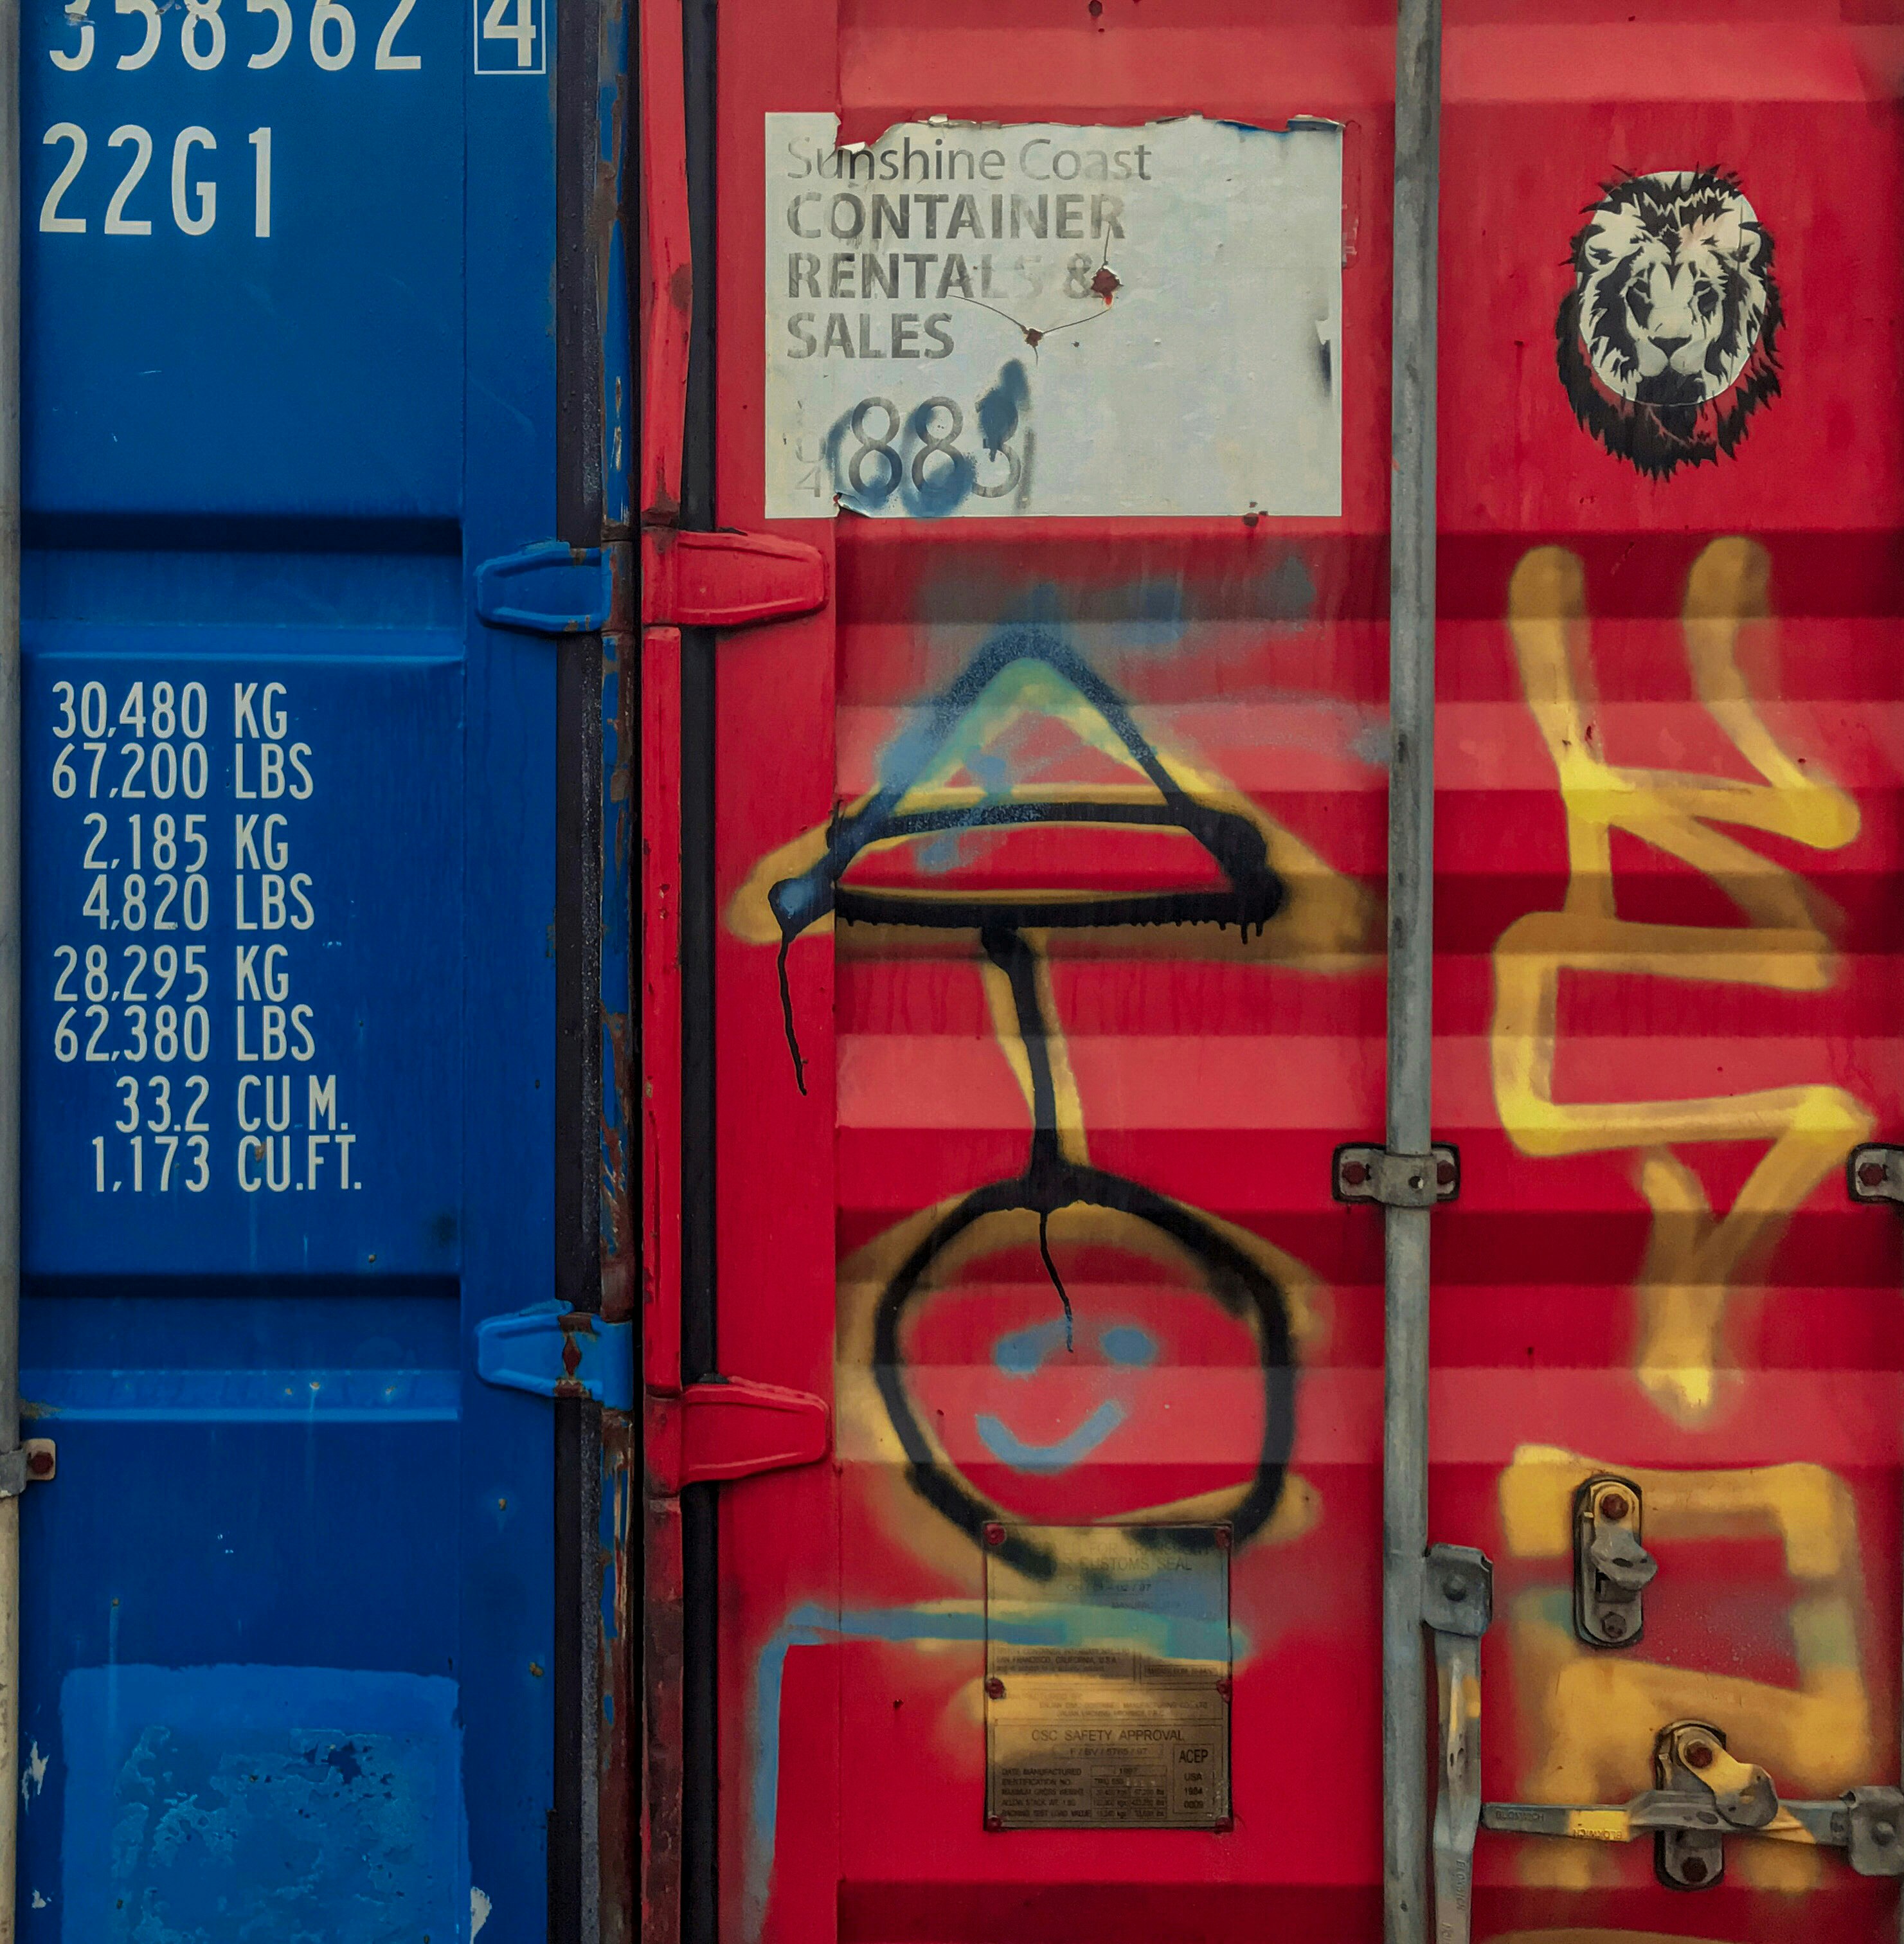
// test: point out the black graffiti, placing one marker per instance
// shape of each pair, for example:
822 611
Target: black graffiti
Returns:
1051 1182
1251 896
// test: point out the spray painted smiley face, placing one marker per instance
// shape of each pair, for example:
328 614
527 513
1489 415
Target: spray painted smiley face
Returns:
1022 1353
1162 1397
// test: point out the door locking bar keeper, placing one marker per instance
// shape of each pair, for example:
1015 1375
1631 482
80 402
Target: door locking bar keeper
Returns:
1703 1798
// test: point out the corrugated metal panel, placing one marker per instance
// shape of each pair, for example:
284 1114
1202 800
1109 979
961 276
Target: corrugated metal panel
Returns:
1669 494
290 384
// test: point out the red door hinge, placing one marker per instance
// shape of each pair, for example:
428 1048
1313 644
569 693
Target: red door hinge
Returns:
732 1429
727 580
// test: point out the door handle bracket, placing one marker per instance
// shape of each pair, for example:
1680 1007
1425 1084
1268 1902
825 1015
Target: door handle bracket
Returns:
727 579
723 1429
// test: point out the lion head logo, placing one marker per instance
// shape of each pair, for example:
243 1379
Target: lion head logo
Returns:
1668 340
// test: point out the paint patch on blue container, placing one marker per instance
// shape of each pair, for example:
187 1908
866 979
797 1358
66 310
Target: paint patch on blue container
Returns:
244 1804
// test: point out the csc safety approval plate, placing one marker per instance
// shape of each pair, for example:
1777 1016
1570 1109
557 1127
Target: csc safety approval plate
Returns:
1045 320
1107 1699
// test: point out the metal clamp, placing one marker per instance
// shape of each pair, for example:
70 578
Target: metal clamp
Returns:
1705 1795
1611 1568
1457 1605
32 1462
1875 1173
1364 1173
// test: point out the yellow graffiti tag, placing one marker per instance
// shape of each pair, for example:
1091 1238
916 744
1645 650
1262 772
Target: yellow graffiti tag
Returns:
1694 1259
1593 1716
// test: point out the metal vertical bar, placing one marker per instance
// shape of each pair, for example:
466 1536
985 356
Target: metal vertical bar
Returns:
9 916
1411 855
700 1534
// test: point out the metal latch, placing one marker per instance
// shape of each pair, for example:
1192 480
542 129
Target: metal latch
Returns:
1705 1795
1364 1173
1611 1568
1457 1605
1875 1173
555 577
727 579
32 1462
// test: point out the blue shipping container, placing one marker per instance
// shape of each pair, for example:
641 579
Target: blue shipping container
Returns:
311 1014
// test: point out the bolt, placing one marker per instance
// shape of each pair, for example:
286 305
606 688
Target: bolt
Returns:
995 1687
1454 1591
1698 1755
1870 1173
994 1533
1222 1539
1883 1834
1354 1174
1613 1626
1444 1173
40 1464
1693 1870
994 1822
1613 1506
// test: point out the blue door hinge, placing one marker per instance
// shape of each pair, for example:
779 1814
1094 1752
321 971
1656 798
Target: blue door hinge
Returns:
551 1351
571 589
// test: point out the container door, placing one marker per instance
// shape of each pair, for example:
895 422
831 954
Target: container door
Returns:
290 1044
1044 897
1666 1337
1031 975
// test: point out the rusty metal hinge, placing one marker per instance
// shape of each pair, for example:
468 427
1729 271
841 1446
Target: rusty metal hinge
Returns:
727 579
727 1427
1875 1173
32 1462
1362 1172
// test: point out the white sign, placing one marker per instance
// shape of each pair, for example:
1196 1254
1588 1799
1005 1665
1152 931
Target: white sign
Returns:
1043 320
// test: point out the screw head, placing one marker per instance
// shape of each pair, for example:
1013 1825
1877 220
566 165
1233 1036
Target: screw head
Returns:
1694 1869
995 1687
1354 1173
994 1533
1613 1506
994 1822
1223 1687
40 1464
1444 1173
1870 1173
1698 1755
1222 1539
1883 1834
1454 1591
1222 1825
1613 1626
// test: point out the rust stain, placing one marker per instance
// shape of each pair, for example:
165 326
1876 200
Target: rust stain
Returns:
661 1720
619 1687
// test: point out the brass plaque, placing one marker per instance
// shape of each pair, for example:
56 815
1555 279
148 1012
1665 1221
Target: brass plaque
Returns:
1107 1690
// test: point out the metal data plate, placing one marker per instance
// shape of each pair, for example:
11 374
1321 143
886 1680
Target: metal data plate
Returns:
1108 1693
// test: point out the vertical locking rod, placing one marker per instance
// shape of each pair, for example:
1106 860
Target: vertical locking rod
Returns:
1411 857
